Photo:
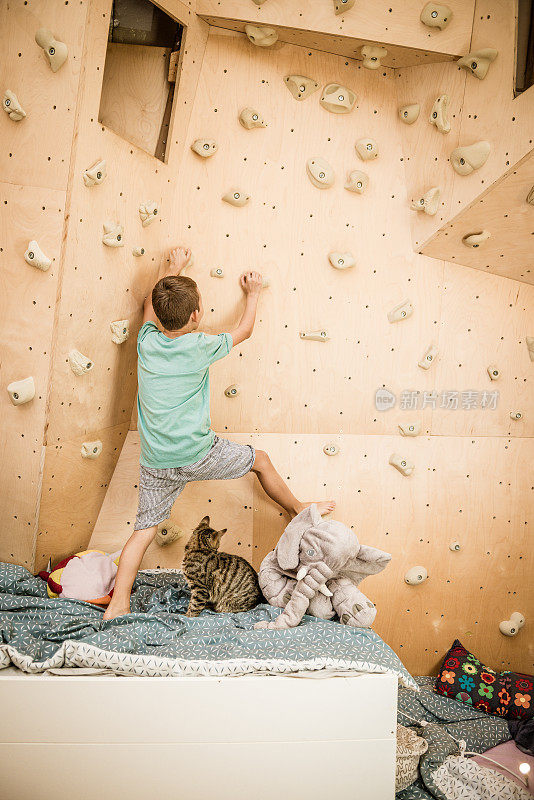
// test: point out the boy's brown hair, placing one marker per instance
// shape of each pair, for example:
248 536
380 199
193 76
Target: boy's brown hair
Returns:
174 299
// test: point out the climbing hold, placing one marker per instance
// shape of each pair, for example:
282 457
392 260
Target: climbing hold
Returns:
35 257
400 312
371 55
530 197
204 147
435 16
367 149
340 6
493 372
466 159
316 336
217 272
331 449
120 331
512 626
138 251
416 575
261 36
475 239
12 106
357 181
428 202
55 51
341 260
320 173
429 357
95 174
410 428
454 546
148 213
236 198
168 533
337 99
530 346
259 2
300 86
232 391
478 62
79 363
250 118
21 391
112 236
439 114
409 114
91 449
404 466
516 415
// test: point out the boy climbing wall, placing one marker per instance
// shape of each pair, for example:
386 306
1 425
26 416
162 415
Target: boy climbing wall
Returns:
177 443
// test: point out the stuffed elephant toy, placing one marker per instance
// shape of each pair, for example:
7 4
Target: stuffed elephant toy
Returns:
315 568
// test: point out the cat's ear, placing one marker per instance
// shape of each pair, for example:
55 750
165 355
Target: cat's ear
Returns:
205 521
221 533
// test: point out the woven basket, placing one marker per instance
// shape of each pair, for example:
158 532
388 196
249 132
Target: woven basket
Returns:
410 748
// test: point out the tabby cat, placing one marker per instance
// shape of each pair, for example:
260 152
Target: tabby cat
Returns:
218 581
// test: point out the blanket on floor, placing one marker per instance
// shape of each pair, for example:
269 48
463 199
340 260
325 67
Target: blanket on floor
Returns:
157 639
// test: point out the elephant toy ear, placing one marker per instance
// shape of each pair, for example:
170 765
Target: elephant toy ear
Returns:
369 561
287 549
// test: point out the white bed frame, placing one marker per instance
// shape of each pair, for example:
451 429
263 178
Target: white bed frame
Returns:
255 737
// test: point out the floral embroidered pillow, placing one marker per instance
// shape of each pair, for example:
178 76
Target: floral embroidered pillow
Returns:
463 677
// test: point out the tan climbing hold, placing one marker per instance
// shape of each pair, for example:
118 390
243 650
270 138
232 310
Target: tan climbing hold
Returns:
12 107
232 391
168 533
120 331
371 55
410 428
217 272
455 546
416 575
475 239
493 372
259 2
331 449
35 257
516 415
204 147
236 198
436 16
409 113
320 173
341 260
439 116
91 449
250 118
340 6
401 311
138 251
429 357
79 363
95 174
512 626
467 159
56 52
148 213
530 346
300 86
315 336
404 466
113 235
367 149
478 62
337 99
21 391
530 197
429 202
261 36
357 181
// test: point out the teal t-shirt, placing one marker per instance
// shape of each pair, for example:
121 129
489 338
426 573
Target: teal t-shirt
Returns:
173 402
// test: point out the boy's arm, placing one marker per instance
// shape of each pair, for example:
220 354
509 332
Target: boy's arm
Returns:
178 260
251 283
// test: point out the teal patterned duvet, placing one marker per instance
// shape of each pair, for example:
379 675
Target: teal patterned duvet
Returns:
157 639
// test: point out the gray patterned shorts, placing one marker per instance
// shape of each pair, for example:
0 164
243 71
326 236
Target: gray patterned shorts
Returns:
159 488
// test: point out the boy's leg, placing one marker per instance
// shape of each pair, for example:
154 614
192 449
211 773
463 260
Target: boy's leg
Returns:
279 491
129 563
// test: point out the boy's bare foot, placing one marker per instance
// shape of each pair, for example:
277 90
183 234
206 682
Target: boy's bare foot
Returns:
111 613
324 507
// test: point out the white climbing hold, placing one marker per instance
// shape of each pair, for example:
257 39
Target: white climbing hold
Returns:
367 149
467 159
516 415
236 198
91 449
79 363
410 428
112 236
455 546
340 6
475 239
494 372
341 260
416 575
512 626
439 116
429 357
300 86
331 449
138 251
261 36
429 202
120 331
409 113
337 99
95 174
478 62
315 336
530 346
320 173
168 533
371 55
21 391
232 391
357 181
12 107
204 147
56 52
250 118
35 257
148 213
401 311
217 272
436 16
404 466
